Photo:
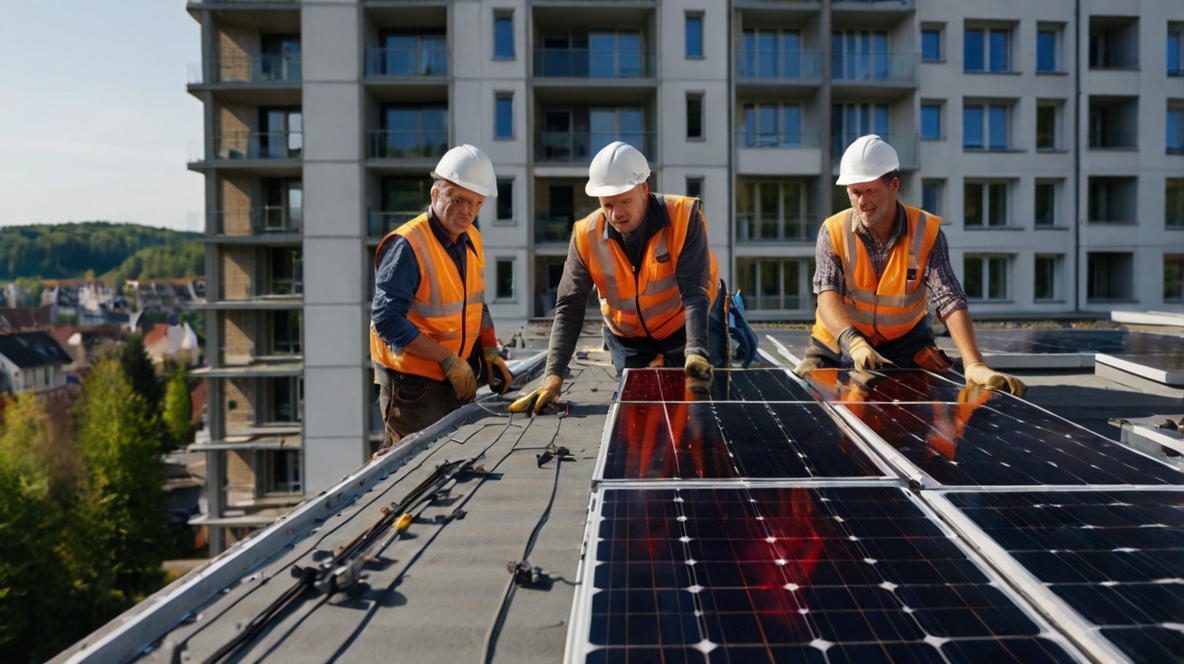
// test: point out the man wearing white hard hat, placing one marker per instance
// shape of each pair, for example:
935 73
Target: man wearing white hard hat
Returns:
879 265
429 319
647 255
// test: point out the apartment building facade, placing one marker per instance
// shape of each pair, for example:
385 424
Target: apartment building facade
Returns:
1050 136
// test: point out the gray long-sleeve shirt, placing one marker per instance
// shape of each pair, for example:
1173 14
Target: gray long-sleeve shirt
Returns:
692 273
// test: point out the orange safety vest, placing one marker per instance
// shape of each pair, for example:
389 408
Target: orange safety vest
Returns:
887 307
445 308
648 303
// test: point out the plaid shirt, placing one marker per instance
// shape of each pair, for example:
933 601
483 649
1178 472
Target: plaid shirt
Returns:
945 293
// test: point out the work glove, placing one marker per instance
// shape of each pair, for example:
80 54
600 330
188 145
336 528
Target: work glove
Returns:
460 374
539 399
807 365
856 347
698 368
499 374
978 373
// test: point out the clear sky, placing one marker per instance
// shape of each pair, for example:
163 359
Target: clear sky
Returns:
95 122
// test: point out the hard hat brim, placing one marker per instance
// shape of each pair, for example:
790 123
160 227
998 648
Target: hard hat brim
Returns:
476 189
607 190
845 180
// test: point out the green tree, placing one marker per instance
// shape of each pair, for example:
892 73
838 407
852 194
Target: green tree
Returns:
133 357
178 410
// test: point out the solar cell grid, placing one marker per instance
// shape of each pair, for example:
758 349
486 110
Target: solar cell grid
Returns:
728 385
1117 558
792 574
888 385
721 440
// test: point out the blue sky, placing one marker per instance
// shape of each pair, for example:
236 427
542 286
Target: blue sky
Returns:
95 122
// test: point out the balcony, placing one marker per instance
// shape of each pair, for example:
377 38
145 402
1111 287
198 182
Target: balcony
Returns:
378 224
254 70
890 69
777 153
751 228
550 229
581 146
591 63
416 62
408 143
804 66
245 145
265 222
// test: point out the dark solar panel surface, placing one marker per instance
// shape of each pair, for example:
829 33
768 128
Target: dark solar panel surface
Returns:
728 385
720 440
888 385
1161 362
1005 441
793 574
1076 341
1116 557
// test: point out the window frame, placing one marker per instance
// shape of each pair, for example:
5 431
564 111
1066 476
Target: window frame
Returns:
1174 116
503 17
1168 197
1055 274
693 181
1179 281
1057 109
1175 38
497 279
987 32
696 100
1057 189
503 101
692 18
939 188
987 261
986 108
1057 31
937 107
938 31
987 207
504 196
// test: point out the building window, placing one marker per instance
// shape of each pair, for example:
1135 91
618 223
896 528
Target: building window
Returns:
931 44
1173 277
1113 200
1175 125
504 115
987 50
850 121
1113 42
775 284
694 35
932 192
986 126
1173 203
1110 276
408 54
985 277
615 55
772 126
694 115
285 332
1176 49
503 35
695 188
1047 136
505 199
283 471
1048 49
505 279
1047 202
403 199
774 54
774 211
860 55
1045 287
411 132
986 204
931 121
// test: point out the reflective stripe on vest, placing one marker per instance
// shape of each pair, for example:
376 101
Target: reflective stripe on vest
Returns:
444 308
886 307
657 311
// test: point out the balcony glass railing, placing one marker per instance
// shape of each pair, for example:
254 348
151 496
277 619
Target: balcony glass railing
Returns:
259 145
258 220
873 66
550 229
751 138
581 146
381 223
751 227
426 61
279 288
408 143
585 63
1114 139
253 69
778 64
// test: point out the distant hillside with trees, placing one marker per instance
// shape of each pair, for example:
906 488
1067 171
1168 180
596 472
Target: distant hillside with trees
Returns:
114 251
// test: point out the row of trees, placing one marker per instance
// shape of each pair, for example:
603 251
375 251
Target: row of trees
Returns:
83 513
65 251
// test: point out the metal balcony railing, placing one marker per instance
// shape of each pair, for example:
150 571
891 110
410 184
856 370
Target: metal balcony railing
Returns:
777 64
427 61
257 220
1113 139
258 145
281 287
873 66
585 63
581 146
751 138
408 143
380 223
752 228
255 69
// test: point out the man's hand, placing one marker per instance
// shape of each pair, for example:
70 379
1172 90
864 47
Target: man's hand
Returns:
460 374
978 373
856 347
499 374
807 365
540 398
698 368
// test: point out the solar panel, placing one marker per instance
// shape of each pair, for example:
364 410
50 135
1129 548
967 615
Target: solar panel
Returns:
723 440
1117 558
888 385
792 574
728 385
1075 341
1005 441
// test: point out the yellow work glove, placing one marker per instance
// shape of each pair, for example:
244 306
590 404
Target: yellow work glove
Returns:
499 374
978 373
460 374
698 368
540 398
856 347
807 365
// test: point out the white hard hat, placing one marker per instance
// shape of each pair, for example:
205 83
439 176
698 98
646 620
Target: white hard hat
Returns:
866 159
470 168
616 169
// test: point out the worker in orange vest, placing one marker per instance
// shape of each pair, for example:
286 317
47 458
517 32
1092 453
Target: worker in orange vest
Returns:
878 265
429 312
647 255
